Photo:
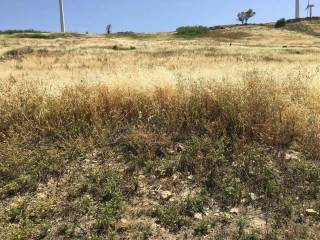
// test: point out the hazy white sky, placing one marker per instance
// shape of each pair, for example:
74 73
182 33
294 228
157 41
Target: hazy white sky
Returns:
139 15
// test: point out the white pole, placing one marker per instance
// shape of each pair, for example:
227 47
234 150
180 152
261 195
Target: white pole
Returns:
62 16
297 8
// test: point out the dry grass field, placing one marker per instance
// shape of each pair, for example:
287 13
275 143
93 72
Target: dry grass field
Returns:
154 136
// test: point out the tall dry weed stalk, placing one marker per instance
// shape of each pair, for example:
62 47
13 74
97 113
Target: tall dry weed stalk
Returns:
256 109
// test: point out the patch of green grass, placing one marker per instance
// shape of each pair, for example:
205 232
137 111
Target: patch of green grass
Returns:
29 219
131 35
141 231
202 154
283 211
201 228
30 168
177 214
242 234
231 192
191 31
23 183
98 194
170 217
295 51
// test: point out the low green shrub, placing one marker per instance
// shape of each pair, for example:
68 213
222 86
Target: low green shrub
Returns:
170 216
201 228
177 214
280 23
191 31
28 219
14 31
99 194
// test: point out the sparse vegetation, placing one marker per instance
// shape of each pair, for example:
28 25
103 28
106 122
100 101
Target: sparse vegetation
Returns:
176 215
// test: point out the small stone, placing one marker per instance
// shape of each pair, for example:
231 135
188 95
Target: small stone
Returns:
253 196
258 223
152 192
78 232
190 177
180 147
166 195
185 194
117 237
292 155
124 221
198 216
141 177
41 195
311 212
175 177
171 152
243 200
234 211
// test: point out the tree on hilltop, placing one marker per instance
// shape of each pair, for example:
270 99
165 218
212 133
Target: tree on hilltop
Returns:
108 28
243 17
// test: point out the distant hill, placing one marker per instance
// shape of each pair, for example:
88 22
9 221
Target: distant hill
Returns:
305 25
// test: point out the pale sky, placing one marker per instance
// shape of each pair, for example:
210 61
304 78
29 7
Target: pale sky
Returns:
139 15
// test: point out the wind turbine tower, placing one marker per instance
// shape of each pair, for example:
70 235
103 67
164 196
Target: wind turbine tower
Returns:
309 8
62 16
297 8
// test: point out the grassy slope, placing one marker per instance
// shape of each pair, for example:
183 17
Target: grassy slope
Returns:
236 159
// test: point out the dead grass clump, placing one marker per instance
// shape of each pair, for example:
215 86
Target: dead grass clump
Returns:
20 53
17 54
228 35
122 48
259 109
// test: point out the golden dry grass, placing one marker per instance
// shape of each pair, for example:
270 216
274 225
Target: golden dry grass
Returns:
163 60
280 65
